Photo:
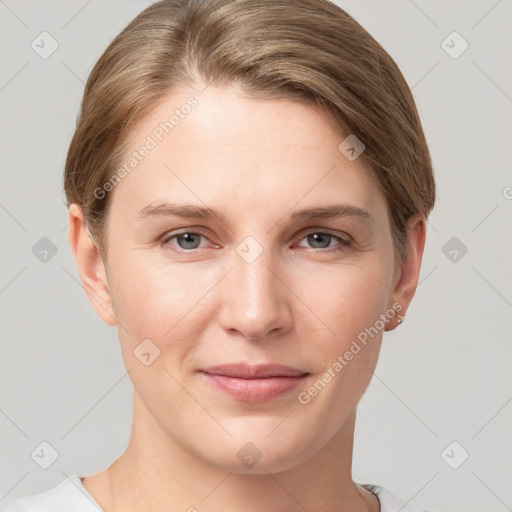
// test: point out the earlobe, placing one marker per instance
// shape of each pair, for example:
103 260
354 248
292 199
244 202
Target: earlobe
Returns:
90 265
407 283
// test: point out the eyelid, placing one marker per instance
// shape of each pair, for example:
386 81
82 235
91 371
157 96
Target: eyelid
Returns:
345 239
167 237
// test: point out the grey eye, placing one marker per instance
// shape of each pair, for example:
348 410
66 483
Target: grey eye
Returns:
188 240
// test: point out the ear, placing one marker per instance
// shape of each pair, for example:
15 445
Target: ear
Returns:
90 265
409 270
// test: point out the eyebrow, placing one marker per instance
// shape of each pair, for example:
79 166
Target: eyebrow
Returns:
191 211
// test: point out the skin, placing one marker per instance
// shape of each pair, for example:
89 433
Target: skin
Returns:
299 303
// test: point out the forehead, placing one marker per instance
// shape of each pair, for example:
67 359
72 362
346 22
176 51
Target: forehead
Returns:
219 145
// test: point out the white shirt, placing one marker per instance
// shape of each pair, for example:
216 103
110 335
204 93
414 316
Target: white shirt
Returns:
71 495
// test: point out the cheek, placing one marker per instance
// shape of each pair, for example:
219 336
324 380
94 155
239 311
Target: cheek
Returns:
346 342
172 303
158 301
345 346
343 302
169 302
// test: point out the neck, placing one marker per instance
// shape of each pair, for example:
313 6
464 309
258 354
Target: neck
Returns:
155 472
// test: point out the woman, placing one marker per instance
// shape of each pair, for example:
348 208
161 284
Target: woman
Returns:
248 187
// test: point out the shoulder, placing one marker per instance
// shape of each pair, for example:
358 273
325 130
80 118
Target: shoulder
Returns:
68 494
388 501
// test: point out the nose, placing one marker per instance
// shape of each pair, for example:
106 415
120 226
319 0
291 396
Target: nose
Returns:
255 298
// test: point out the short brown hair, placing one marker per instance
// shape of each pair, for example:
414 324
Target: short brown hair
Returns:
305 50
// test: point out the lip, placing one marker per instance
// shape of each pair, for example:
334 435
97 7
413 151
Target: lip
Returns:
257 383
259 371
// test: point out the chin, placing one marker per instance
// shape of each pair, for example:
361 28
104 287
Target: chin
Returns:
264 466
255 454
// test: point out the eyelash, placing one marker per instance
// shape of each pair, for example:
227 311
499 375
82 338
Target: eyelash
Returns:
343 243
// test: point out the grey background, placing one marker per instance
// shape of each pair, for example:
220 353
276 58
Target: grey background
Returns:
443 376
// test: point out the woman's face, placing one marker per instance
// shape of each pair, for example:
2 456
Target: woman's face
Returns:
260 281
